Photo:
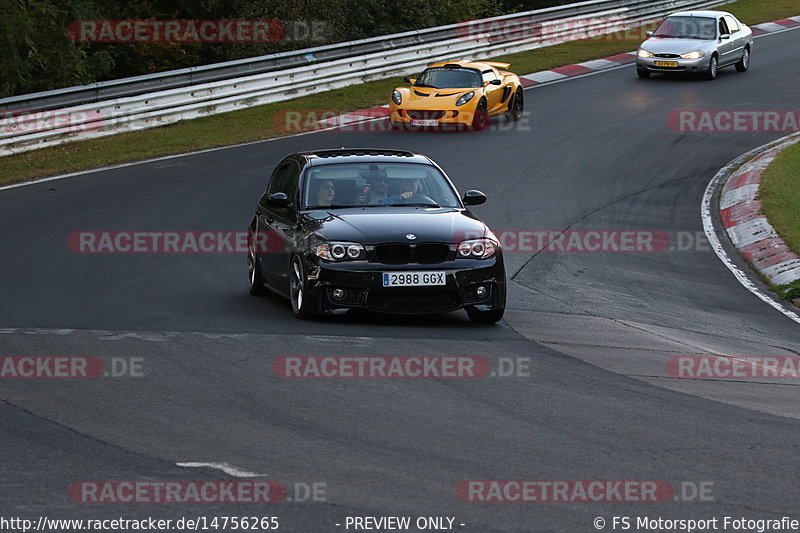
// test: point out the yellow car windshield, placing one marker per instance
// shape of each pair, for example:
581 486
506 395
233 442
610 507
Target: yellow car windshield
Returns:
449 78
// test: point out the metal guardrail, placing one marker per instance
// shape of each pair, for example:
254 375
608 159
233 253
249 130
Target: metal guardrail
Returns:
155 100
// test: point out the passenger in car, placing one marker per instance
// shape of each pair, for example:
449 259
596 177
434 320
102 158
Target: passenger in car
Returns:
324 192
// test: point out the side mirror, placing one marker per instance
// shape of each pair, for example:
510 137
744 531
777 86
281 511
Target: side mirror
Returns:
278 199
724 36
496 82
410 80
473 197
649 33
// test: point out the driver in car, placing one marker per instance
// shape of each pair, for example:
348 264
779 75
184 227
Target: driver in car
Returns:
408 187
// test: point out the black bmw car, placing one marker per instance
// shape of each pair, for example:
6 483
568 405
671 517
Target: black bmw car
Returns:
381 230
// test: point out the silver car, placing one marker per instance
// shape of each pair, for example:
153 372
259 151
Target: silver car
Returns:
699 42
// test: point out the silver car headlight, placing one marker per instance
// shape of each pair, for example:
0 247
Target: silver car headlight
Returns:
697 54
397 98
340 251
644 53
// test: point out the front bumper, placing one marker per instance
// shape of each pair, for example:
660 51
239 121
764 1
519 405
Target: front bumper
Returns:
683 65
362 284
459 116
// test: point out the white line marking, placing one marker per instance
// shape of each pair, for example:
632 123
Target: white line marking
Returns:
225 467
716 245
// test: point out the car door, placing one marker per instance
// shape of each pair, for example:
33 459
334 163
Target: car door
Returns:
738 36
279 222
494 93
726 45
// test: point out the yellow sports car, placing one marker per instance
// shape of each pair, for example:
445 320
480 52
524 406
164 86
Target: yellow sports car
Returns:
463 93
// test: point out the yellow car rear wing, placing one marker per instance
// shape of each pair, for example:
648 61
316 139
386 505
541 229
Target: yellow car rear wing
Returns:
500 66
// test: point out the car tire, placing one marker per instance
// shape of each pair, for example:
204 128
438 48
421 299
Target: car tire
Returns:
298 290
255 277
481 118
516 107
642 73
713 68
744 63
484 317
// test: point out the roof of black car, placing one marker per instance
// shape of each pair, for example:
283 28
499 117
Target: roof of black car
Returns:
363 155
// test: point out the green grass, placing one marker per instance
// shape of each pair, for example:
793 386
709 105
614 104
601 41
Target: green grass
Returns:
780 199
258 123
757 11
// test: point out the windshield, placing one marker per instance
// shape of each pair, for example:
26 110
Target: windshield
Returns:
343 185
687 28
449 78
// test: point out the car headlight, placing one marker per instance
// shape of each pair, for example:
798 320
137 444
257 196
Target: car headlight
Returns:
465 98
644 53
697 54
340 251
477 248
397 98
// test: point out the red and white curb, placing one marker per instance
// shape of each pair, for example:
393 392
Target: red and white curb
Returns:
778 25
741 209
748 228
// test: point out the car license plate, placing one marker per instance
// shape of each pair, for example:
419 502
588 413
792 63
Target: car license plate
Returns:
415 122
413 279
666 63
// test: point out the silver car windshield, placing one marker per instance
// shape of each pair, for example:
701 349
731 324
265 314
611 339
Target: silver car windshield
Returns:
681 27
343 185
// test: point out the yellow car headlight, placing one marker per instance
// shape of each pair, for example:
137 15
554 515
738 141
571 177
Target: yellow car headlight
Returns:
645 53
465 98
697 54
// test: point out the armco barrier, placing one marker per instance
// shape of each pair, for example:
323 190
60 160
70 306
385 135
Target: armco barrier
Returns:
191 95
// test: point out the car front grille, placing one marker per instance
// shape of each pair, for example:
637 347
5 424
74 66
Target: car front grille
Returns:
425 115
393 254
667 56
413 302
403 254
430 253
